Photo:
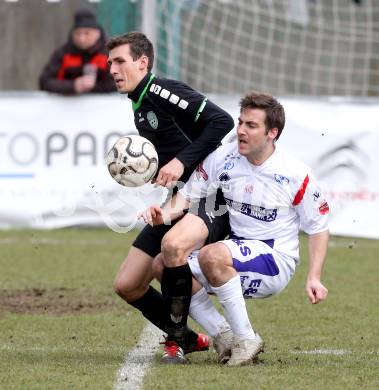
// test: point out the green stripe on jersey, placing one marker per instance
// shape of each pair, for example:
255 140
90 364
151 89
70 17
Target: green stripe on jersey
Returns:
136 106
201 108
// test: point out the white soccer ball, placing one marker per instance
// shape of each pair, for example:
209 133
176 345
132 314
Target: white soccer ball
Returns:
132 161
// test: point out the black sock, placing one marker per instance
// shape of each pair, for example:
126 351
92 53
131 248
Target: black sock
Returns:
152 307
177 290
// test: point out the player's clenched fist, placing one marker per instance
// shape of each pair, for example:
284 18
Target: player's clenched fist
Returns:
170 173
316 291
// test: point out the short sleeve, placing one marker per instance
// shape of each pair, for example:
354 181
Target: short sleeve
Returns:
311 206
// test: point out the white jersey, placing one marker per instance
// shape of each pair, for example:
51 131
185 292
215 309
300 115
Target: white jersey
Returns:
269 202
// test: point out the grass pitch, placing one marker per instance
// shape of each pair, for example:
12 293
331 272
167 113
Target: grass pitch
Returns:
63 328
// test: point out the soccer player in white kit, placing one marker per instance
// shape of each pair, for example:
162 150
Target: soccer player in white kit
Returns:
269 196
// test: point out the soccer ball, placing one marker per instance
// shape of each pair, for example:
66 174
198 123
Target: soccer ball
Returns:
132 161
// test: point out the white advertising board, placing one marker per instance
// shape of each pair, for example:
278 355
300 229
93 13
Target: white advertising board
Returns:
52 171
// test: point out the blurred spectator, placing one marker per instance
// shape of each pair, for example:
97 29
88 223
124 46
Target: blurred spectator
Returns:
80 65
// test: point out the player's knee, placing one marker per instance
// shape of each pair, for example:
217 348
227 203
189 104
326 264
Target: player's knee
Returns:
127 289
120 287
208 258
173 250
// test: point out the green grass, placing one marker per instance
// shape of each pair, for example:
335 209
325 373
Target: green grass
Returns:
63 328
69 331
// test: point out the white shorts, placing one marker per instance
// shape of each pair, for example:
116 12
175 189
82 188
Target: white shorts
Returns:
262 270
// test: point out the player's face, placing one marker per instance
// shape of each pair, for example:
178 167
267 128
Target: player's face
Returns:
126 72
254 141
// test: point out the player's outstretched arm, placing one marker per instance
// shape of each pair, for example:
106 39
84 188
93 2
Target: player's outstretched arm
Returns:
155 215
318 246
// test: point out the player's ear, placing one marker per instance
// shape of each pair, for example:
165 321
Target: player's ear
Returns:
144 62
273 133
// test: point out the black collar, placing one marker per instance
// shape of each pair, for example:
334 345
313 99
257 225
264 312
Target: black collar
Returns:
139 88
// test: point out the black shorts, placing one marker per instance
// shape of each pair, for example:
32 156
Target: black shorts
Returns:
211 210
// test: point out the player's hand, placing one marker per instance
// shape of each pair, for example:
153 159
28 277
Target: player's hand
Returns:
84 83
169 174
153 215
316 291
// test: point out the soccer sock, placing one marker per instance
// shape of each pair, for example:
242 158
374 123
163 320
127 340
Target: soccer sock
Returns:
176 290
233 303
205 314
152 306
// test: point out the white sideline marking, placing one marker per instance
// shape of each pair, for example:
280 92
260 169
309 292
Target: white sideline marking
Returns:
324 352
52 241
139 359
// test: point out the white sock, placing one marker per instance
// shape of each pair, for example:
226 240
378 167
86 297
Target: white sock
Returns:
233 303
205 314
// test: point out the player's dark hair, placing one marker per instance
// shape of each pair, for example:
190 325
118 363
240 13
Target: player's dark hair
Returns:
138 43
275 116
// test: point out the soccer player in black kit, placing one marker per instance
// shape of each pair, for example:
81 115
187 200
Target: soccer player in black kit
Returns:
184 127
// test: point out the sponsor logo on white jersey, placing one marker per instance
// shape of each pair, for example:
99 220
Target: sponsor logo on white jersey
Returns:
229 165
224 177
281 179
249 188
324 208
256 212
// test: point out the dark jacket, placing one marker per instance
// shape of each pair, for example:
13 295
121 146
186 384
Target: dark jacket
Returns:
66 64
179 121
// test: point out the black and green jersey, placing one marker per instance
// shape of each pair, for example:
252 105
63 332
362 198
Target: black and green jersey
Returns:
178 120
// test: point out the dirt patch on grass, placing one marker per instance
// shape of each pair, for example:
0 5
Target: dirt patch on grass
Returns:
53 301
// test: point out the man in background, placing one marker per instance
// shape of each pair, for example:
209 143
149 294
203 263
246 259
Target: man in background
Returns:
80 65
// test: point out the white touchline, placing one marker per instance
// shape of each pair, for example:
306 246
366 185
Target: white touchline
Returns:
139 359
324 352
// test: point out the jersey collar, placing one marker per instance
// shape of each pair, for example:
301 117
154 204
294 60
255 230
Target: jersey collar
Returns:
139 93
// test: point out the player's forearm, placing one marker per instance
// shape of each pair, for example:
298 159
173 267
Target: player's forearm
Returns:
318 247
174 208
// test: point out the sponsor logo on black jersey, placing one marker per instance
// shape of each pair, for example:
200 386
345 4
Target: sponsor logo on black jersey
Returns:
140 117
153 120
